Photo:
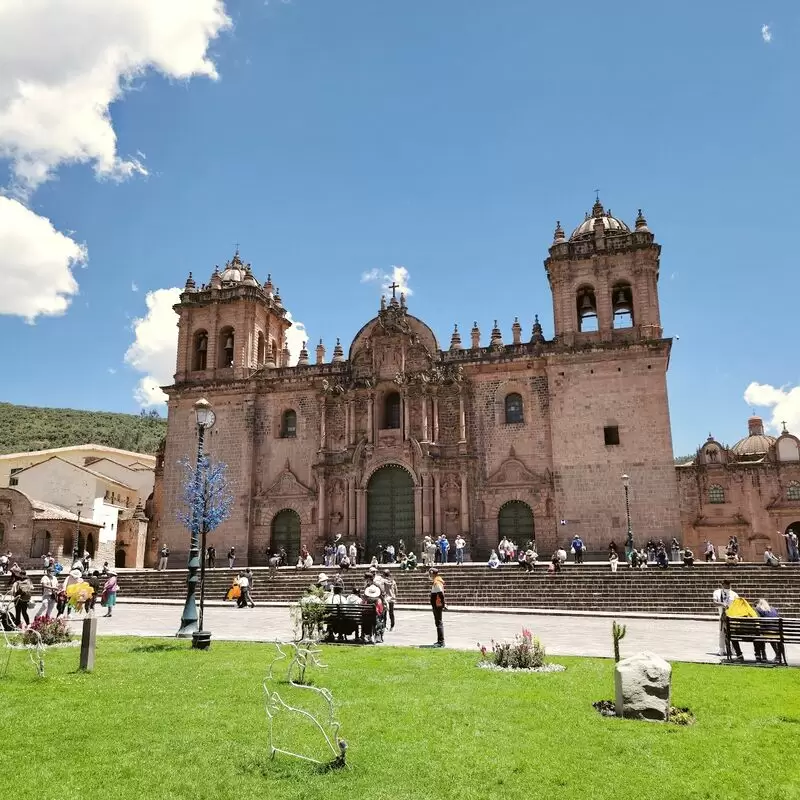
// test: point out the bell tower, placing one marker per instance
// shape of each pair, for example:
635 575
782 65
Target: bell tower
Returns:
230 326
604 280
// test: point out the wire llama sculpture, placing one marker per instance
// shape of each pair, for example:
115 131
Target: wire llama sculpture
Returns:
15 640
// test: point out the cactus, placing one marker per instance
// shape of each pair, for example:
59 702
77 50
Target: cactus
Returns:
618 632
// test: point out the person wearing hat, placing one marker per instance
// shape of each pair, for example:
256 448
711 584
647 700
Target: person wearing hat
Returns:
323 581
109 596
437 604
372 596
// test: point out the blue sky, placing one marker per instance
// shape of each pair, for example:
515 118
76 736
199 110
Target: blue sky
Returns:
344 136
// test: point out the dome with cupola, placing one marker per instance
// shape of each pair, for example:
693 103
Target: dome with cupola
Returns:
235 271
599 216
756 443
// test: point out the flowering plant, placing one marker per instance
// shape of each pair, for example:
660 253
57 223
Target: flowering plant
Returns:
525 651
51 631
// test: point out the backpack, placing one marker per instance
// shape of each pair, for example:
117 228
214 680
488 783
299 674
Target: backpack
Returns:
25 589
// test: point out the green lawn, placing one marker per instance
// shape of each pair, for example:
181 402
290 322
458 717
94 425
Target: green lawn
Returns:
158 720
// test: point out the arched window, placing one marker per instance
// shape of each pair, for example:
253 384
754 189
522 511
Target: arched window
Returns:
793 492
225 348
289 424
260 350
586 304
716 494
200 350
514 408
622 305
391 411
273 349
66 548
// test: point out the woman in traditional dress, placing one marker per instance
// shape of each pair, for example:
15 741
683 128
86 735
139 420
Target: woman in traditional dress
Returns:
109 596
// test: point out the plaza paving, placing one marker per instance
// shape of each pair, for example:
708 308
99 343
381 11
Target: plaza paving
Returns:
674 639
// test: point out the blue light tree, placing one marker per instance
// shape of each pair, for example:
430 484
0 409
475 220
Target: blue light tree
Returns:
207 502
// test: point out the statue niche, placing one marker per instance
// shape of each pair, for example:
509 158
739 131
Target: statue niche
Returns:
451 505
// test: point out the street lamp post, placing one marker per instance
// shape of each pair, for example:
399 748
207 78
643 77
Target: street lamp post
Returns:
626 481
189 621
76 551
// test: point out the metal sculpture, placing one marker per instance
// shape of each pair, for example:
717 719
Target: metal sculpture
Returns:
15 640
305 655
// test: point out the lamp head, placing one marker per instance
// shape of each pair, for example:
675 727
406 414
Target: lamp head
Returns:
626 481
204 414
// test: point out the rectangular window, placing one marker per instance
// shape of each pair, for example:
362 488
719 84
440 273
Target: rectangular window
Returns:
12 481
611 434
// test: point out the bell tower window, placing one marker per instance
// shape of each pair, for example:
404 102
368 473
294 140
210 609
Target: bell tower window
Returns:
587 309
260 350
514 409
200 353
226 342
622 305
289 424
391 411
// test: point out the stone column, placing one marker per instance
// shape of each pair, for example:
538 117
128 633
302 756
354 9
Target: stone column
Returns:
426 504
417 512
322 424
464 506
404 397
351 420
351 506
321 511
424 401
361 514
346 406
437 505
435 418
371 418
462 420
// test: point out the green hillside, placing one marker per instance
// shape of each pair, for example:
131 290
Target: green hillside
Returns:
24 428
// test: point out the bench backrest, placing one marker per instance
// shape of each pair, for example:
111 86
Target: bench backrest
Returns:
757 627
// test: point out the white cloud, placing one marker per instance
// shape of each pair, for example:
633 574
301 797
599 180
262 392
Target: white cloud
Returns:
155 346
766 33
36 263
784 402
63 64
112 371
399 275
295 337
134 286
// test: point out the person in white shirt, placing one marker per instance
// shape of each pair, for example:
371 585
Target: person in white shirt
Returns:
460 544
723 597
244 589
49 595
353 553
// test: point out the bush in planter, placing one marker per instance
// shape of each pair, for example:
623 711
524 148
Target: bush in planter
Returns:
51 631
524 652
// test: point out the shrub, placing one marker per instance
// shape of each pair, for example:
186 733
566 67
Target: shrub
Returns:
52 631
308 616
524 652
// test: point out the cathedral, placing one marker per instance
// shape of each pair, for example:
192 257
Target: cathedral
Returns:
399 437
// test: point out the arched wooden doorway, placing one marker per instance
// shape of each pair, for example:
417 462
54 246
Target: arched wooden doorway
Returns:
515 522
390 509
119 558
286 534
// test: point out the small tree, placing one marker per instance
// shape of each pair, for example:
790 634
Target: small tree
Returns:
207 495
618 633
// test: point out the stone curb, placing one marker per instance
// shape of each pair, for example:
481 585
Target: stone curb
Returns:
545 612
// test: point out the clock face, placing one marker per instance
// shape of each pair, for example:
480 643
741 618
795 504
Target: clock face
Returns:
212 418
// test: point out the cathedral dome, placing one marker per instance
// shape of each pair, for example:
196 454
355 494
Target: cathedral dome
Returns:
234 271
756 443
611 225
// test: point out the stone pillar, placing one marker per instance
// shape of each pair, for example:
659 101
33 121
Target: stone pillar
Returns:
371 418
417 512
437 505
321 511
462 420
464 506
435 418
346 406
426 504
88 641
322 424
405 413
361 514
351 506
351 422
424 401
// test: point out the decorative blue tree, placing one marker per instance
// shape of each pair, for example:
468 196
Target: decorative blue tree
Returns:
207 501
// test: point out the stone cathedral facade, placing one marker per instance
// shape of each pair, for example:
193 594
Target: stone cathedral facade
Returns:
400 437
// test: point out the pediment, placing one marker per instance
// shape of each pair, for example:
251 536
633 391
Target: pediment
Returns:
512 472
287 484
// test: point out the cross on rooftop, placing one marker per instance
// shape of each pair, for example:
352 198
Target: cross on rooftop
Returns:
394 287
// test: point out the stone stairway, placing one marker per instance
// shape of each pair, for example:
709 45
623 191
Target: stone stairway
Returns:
589 587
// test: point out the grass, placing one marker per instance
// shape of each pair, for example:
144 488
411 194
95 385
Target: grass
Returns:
159 720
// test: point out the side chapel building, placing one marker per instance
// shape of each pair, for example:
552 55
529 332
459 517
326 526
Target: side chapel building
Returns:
400 438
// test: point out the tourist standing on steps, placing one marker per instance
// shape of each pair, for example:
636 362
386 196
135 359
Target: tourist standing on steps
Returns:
353 552
577 548
791 545
722 598
390 595
211 556
437 604
231 557
248 573
444 548
163 557
460 544
676 549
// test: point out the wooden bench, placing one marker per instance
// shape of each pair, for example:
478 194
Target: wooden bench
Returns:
346 619
769 630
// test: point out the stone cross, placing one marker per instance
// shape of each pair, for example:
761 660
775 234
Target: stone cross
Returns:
394 287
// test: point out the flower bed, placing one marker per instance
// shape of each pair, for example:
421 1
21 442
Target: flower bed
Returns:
525 653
